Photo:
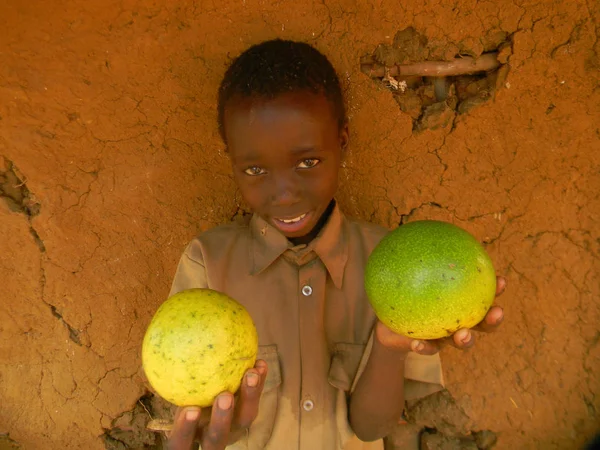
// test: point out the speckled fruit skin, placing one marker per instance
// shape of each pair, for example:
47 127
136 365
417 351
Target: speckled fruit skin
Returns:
426 279
199 343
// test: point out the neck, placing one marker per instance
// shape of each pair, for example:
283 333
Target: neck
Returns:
306 239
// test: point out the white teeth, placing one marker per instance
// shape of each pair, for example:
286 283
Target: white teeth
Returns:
297 219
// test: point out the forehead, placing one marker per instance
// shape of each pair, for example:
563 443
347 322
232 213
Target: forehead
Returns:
294 115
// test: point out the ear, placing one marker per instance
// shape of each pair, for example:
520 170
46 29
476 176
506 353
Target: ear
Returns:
344 137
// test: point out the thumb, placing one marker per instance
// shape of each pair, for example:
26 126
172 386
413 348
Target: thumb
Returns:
184 430
423 347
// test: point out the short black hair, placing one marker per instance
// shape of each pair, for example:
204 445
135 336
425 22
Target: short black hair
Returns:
278 66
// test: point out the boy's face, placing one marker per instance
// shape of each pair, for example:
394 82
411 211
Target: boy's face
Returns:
286 154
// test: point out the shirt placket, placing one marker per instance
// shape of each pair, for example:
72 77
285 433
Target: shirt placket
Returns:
313 353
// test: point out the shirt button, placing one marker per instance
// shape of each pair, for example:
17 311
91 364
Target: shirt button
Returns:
306 291
308 405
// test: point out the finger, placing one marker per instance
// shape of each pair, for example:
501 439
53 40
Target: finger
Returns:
216 435
391 339
463 339
247 405
184 429
425 347
492 320
178 412
262 367
500 285
203 421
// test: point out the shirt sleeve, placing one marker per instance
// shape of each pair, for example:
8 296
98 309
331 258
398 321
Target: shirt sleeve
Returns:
422 373
191 272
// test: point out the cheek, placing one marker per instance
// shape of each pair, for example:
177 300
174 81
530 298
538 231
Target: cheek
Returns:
252 191
332 187
323 186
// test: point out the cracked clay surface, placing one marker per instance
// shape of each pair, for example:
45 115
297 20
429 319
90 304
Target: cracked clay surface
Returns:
110 162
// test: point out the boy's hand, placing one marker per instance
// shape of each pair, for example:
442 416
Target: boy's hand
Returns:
226 421
461 339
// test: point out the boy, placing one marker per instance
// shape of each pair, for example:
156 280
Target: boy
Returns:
328 375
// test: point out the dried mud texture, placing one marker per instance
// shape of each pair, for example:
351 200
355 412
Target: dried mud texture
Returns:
130 429
435 102
107 122
440 412
6 443
442 424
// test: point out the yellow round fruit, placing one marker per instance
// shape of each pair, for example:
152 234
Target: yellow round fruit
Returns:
199 343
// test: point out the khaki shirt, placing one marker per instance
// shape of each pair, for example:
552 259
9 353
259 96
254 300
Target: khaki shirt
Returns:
314 325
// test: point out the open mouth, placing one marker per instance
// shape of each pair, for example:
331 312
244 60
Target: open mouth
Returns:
292 224
294 220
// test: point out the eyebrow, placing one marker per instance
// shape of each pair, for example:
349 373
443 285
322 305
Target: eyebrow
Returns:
307 149
253 158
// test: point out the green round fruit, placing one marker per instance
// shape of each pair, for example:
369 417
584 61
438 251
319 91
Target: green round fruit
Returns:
426 279
199 343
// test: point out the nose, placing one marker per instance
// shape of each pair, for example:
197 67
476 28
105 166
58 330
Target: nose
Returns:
285 190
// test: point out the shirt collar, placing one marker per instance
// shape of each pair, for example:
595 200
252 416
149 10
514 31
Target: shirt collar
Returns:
330 245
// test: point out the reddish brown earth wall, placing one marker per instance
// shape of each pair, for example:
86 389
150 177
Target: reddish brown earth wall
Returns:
107 124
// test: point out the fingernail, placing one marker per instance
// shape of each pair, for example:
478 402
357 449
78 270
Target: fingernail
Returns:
252 379
224 402
467 338
499 321
417 346
261 366
192 414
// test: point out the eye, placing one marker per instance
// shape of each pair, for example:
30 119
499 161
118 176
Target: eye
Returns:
308 163
255 171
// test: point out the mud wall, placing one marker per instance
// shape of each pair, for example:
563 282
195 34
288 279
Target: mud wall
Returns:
110 162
